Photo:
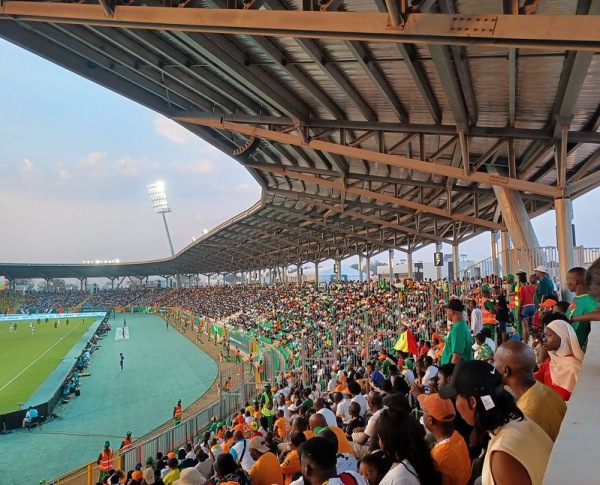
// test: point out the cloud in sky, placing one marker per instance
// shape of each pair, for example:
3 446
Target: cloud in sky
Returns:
171 130
27 168
130 166
93 159
204 167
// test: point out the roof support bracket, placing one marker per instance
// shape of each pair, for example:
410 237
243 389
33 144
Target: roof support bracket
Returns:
108 11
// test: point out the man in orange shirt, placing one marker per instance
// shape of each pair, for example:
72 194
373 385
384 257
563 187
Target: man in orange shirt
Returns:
450 453
282 425
227 441
266 470
239 417
291 463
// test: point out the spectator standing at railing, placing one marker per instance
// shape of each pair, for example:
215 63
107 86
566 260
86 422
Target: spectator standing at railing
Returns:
458 340
545 286
488 310
177 413
584 309
105 460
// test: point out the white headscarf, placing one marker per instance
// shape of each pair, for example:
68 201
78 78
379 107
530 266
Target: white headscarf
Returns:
565 362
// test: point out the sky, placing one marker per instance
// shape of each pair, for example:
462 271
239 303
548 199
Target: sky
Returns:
75 159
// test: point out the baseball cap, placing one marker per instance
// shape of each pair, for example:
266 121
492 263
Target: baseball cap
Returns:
440 409
128 433
149 460
549 303
520 271
259 444
455 305
319 429
293 407
171 455
485 288
509 277
472 378
190 476
254 426
541 268
149 476
106 444
137 475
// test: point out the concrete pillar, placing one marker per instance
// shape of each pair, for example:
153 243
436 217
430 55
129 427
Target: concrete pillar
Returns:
494 243
368 267
360 268
299 273
455 261
505 258
409 262
564 240
338 273
316 272
438 269
391 266
270 276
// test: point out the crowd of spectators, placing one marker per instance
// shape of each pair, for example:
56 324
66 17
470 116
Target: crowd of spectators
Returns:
116 297
44 300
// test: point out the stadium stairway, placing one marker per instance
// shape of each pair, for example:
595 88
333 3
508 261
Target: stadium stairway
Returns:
77 308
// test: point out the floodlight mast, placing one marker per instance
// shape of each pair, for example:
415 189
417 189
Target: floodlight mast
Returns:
157 194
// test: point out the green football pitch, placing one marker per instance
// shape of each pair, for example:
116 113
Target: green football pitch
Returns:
28 359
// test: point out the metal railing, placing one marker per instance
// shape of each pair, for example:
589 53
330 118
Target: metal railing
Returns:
189 429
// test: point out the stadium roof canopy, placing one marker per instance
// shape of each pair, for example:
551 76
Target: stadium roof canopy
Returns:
369 124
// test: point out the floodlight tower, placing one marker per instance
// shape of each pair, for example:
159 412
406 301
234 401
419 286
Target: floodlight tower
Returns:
160 205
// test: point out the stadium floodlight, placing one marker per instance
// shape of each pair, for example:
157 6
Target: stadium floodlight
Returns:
158 196
205 232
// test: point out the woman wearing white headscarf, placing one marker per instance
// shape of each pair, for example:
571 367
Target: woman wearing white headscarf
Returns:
561 370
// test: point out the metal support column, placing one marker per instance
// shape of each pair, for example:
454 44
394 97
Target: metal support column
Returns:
455 262
494 243
338 273
299 273
316 272
360 268
391 266
564 239
505 242
409 262
438 269
368 267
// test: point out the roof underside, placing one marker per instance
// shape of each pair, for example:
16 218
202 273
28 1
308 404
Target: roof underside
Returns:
360 146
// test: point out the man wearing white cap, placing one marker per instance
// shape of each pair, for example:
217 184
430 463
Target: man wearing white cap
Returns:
545 287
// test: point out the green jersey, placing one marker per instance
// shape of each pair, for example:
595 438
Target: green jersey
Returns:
581 305
458 341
